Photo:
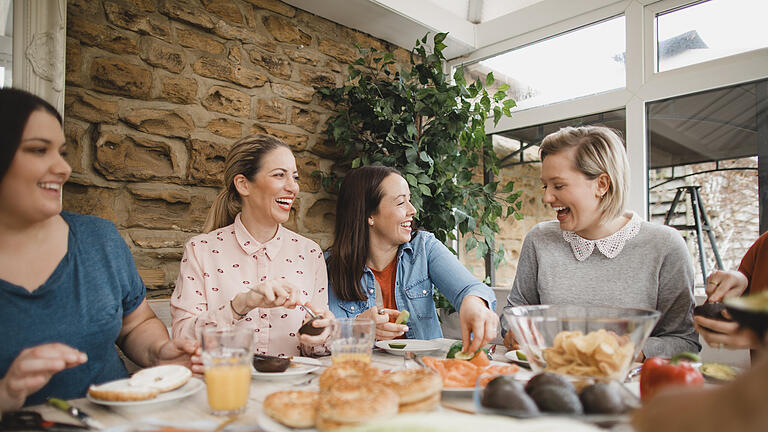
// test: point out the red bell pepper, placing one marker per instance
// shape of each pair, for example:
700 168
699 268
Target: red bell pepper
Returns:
658 372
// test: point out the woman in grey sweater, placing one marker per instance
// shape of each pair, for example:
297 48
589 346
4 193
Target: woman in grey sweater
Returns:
597 253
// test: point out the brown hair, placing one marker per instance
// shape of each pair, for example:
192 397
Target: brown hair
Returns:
16 107
243 158
359 198
598 150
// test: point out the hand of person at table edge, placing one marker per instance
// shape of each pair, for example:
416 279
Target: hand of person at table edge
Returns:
722 284
725 334
32 369
477 320
324 322
384 318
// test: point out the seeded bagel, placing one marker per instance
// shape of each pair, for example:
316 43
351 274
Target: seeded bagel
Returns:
413 384
293 408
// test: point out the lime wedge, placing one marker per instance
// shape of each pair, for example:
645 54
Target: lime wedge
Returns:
397 346
521 356
403 317
461 355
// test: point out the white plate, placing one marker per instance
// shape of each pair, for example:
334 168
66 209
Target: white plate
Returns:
411 345
192 386
512 356
293 370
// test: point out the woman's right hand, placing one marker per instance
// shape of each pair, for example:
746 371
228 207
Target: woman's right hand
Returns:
725 283
385 329
510 342
32 369
270 294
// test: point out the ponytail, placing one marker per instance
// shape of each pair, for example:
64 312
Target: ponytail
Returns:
223 210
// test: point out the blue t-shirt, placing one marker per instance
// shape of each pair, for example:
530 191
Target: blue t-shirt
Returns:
82 304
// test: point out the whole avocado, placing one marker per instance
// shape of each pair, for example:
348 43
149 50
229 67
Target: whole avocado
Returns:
602 398
503 392
556 399
548 378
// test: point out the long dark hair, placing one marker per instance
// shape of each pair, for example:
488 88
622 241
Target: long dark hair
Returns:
359 198
15 108
243 158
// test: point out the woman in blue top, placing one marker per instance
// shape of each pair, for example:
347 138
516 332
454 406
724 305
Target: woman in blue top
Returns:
378 265
68 287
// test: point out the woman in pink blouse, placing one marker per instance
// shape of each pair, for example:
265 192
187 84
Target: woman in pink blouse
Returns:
248 270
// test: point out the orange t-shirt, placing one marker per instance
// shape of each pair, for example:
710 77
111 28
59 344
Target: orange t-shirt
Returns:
386 279
754 265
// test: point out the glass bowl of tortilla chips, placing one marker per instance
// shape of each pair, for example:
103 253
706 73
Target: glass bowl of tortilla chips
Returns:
597 342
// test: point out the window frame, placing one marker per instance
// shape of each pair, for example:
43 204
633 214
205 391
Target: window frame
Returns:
643 83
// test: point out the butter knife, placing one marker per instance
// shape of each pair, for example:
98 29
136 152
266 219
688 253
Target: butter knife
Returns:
87 420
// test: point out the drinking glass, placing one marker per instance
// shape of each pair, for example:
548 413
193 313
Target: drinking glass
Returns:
352 339
227 356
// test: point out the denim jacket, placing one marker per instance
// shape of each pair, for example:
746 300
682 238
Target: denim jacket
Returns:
423 264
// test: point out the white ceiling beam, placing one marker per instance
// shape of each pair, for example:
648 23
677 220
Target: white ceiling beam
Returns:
379 19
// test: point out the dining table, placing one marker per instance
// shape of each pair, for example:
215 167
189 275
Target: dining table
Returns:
193 413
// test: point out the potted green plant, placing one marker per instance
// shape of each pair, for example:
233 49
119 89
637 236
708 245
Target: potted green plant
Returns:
432 129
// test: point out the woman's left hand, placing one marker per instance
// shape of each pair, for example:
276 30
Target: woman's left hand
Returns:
324 323
725 334
477 320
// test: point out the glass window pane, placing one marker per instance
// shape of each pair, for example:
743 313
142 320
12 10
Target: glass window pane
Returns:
709 30
6 42
709 140
582 62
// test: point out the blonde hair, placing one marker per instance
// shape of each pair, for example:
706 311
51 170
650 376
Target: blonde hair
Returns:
598 150
243 158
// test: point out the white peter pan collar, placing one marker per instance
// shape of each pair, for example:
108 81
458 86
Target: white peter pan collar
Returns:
610 246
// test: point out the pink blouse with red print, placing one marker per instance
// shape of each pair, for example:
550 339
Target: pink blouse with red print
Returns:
218 265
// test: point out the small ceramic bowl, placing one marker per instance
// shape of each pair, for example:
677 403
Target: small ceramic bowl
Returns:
271 364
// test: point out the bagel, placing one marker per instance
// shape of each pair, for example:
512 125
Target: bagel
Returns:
162 378
292 408
122 391
347 369
427 404
357 404
324 425
413 385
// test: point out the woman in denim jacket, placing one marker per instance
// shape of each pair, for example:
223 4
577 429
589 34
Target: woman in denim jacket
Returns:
378 265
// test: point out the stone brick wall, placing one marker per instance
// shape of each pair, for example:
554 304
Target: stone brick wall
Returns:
157 91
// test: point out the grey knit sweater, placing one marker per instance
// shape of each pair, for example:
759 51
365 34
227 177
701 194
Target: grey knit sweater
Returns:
653 271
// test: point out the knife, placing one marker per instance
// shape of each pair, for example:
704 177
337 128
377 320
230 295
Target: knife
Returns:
63 405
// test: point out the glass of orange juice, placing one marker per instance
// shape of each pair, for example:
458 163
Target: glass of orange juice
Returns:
227 362
352 339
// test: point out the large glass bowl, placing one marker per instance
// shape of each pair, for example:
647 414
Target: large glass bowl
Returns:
581 341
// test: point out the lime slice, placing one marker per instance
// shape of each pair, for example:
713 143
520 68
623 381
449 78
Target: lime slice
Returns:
397 346
403 317
461 355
